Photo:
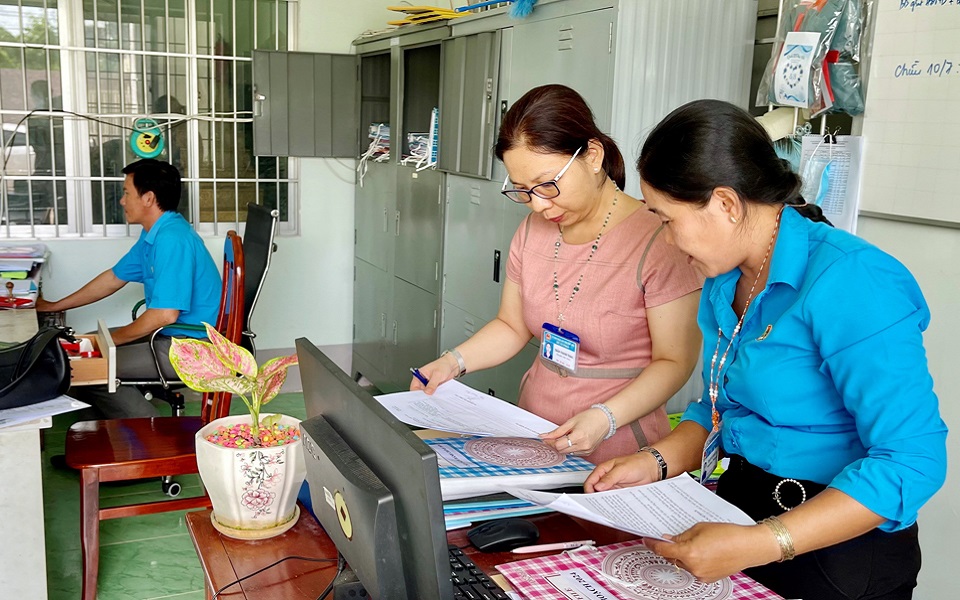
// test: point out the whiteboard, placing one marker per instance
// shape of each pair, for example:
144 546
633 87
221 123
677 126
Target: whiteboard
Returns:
911 121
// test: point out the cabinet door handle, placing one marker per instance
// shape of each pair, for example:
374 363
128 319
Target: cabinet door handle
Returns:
383 326
384 220
398 222
395 333
496 266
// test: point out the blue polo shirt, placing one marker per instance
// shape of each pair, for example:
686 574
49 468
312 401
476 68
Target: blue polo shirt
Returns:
177 272
838 390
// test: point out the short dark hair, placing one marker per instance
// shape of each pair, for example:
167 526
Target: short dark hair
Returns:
706 144
556 119
159 177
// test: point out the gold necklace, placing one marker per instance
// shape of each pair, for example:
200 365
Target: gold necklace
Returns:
714 388
593 250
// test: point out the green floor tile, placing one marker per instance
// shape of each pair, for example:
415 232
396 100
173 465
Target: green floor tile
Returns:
141 558
197 595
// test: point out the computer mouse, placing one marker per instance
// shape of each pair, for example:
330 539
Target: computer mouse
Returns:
503 535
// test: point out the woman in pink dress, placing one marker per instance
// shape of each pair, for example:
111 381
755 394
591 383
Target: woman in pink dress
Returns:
589 275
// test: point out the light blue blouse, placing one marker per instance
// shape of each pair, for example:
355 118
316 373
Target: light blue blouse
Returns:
177 272
838 390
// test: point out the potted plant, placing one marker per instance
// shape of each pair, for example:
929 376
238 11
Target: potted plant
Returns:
251 465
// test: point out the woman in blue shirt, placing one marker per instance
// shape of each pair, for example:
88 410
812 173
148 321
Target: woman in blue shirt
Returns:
815 373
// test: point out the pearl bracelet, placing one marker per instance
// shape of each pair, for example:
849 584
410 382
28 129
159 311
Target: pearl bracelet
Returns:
784 539
610 419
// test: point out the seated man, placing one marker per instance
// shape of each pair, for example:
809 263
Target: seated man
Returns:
181 284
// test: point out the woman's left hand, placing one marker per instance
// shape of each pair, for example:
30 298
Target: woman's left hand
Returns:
581 434
712 551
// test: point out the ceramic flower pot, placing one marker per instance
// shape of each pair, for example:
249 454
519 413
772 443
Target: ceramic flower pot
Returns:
253 490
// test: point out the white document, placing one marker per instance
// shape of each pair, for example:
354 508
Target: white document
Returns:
835 173
14 416
665 507
577 584
457 408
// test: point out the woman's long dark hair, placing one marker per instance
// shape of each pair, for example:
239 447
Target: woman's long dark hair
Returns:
706 144
556 119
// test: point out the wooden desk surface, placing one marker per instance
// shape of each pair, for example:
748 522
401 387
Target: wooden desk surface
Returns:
224 559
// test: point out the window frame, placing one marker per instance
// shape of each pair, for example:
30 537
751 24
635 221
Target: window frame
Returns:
73 54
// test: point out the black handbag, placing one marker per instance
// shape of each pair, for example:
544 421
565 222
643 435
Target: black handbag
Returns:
34 371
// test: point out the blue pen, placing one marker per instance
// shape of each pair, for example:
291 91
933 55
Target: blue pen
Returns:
419 375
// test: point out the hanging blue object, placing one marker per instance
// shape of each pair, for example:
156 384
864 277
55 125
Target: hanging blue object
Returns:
522 8
146 141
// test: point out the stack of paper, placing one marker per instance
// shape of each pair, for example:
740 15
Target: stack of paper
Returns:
457 408
20 267
476 466
61 404
666 507
464 514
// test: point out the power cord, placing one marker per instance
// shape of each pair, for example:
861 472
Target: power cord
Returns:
340 563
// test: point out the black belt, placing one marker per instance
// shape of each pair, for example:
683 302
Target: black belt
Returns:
784 493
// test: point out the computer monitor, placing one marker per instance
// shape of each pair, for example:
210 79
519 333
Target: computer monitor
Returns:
399 460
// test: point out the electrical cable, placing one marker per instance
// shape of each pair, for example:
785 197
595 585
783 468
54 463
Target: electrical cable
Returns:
341 565
258 571
338 175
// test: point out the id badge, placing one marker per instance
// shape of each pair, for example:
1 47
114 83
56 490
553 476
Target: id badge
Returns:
560 346
711 455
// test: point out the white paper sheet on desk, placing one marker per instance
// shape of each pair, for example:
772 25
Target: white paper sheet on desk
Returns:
457 408
14 416
665 507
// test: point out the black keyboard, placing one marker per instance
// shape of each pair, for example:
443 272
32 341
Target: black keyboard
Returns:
469 582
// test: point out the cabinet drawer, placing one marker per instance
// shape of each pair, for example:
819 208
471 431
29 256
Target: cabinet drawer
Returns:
97 371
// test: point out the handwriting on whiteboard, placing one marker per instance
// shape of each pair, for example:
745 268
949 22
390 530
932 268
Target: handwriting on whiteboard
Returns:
913 5
925 69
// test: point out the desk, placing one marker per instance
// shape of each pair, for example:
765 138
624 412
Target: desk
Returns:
23 565
224 559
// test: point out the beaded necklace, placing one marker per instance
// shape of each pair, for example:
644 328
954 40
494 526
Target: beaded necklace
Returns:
593 250
715 375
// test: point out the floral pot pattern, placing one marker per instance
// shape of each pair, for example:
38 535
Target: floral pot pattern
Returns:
254 490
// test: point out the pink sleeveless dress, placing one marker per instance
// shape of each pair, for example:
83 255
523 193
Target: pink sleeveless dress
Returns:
608 314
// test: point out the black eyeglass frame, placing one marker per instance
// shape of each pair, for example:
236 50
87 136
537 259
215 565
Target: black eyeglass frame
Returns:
546 185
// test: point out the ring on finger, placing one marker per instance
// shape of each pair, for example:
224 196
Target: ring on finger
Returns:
569 441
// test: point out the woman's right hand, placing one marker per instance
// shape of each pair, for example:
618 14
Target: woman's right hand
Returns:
439 371
623 472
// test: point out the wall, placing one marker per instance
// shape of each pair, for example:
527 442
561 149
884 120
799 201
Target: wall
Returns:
933 255
309 289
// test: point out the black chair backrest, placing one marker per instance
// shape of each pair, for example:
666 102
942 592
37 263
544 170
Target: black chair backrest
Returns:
258 245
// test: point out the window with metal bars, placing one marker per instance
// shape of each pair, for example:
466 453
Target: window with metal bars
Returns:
76 74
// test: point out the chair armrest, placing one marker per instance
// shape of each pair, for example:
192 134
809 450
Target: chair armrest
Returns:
136 308
186 326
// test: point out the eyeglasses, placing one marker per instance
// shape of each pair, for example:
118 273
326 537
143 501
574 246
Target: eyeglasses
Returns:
547 190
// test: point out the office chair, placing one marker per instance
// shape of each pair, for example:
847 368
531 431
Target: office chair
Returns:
145 448
258 247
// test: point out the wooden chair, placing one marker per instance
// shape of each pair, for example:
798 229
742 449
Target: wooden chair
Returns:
147 448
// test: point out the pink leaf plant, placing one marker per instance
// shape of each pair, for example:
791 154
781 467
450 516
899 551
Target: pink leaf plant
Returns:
219 365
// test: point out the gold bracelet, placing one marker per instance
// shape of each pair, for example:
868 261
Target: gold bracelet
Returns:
784 539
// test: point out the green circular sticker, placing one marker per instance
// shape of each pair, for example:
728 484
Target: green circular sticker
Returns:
146 141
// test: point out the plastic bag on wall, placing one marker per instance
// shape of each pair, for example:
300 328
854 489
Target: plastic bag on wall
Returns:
843 61
814 65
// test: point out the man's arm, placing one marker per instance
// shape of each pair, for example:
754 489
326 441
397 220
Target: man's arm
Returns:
98 288
151 320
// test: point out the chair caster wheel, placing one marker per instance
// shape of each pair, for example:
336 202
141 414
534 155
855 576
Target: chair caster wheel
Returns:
171 489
